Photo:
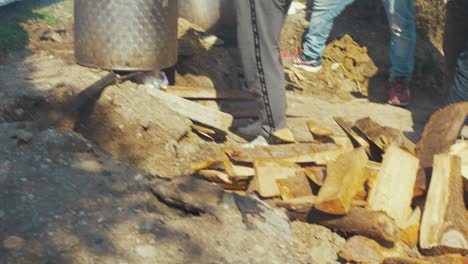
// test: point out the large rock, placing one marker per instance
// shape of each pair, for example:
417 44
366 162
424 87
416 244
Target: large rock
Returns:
133 126
215 222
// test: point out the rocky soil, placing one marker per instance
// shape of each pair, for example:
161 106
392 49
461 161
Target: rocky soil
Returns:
95 192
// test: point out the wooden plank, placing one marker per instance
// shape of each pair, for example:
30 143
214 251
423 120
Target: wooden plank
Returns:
444 227
345 178
208 164
294 187
318 130
268 172
319 153
410 231
305 201
193 111
236 170
316 174
209 93
357 140
214 176
383 137
345 142
393 190
359 221
297 208
285 135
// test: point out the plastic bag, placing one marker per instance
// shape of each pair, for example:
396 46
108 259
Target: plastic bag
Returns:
156 79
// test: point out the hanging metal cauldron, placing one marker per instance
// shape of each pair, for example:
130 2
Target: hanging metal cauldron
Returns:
126 34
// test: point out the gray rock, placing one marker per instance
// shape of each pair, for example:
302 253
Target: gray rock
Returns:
24 136
146 251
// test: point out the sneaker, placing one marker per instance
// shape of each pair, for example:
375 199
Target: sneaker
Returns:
250 131
399 92
303 63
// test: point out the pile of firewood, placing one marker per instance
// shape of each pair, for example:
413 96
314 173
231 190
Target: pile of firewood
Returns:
389 193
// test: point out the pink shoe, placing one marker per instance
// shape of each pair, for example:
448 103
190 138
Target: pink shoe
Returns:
400 92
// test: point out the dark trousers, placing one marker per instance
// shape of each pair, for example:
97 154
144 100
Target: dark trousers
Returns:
456 32
259 24
456 49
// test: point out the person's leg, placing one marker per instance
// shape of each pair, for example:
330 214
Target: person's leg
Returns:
321 22
401 20
456 33
259 27
459 91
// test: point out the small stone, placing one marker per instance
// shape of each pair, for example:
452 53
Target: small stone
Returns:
13 242
24 136
121 126
98 240
100 220
146 251
213 40
23 179
55 37
145 124
147 225
3 175
138 177
19 112
2 214
335 66
44 166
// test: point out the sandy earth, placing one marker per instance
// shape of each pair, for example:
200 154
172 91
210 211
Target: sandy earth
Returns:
65 199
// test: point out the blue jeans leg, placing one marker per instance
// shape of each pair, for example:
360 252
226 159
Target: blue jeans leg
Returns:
459 91
321 23
400 14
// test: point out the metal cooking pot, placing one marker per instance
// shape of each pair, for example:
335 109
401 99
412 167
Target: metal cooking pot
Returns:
126 34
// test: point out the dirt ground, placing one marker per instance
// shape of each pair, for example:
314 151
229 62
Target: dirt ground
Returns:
87 196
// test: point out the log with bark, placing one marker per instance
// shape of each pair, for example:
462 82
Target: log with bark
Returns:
444 227
382 136
357 140
439 134
360 221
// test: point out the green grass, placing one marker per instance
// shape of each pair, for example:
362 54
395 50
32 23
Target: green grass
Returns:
12 36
